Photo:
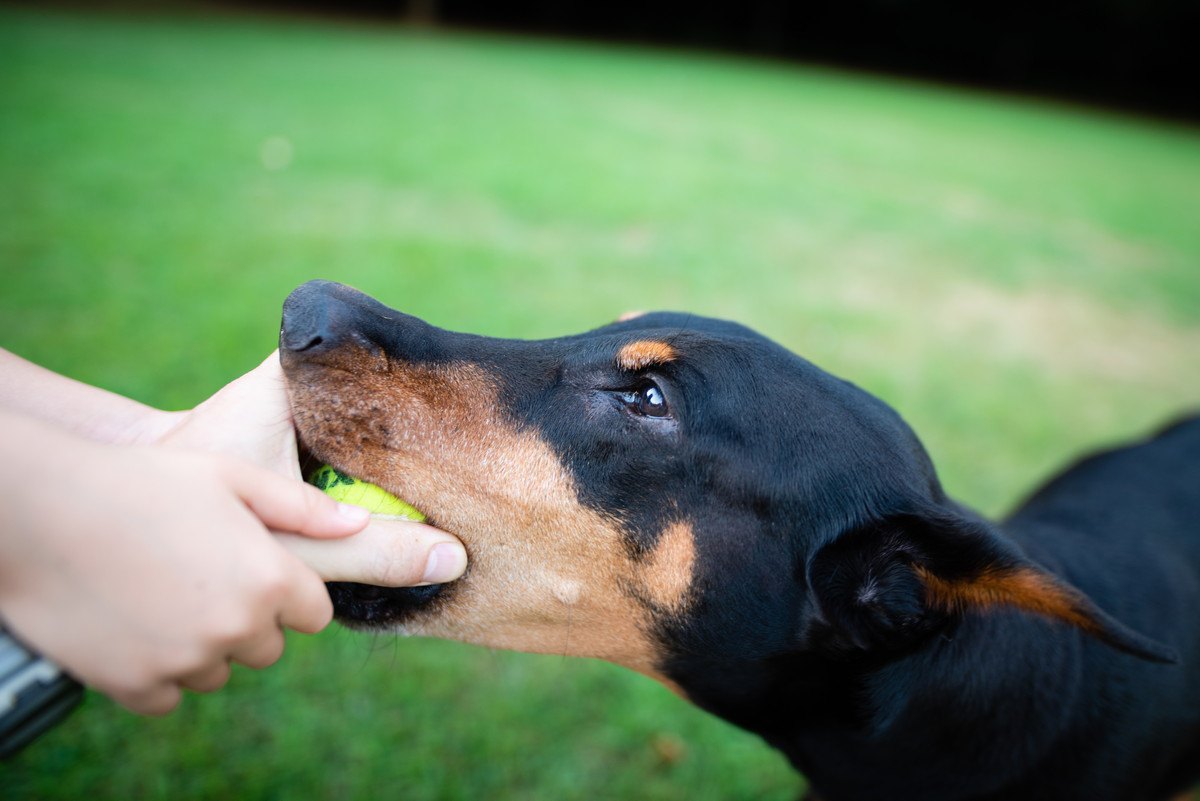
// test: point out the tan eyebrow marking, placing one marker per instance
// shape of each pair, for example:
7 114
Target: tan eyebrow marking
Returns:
645 353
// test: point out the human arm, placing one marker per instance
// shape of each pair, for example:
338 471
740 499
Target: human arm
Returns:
90 412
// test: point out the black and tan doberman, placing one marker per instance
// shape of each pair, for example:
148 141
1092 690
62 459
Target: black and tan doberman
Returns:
686 498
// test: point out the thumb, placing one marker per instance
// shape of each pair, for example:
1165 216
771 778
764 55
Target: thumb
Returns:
249 418
387 553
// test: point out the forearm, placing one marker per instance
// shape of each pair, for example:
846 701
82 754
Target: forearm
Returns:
90 412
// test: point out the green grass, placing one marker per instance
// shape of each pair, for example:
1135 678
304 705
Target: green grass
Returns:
1022 281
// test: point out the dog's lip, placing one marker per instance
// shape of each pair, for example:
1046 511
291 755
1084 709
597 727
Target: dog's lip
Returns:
368 606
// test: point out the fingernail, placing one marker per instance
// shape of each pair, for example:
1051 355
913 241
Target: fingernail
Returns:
356 514
447 561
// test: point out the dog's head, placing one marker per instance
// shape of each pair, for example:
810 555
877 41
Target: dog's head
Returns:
661 491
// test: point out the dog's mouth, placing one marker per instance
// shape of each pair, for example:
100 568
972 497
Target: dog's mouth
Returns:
367 605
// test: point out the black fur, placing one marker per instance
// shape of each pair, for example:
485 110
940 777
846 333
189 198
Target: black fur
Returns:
813 506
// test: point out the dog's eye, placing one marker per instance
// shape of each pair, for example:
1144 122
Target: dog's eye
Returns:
647 400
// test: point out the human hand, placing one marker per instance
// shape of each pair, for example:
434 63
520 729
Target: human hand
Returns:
145 570
249 418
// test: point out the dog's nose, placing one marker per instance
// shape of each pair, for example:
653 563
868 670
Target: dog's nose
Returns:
316 318
324 316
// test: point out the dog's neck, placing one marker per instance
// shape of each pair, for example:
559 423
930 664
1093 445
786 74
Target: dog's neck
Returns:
906 726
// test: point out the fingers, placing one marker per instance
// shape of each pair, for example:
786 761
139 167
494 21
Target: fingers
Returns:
261 651
207 680
305 607
308 608
387 553
284 504
157 700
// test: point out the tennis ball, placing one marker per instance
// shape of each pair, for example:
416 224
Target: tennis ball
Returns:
345 489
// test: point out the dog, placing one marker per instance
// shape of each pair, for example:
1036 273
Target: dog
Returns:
688 499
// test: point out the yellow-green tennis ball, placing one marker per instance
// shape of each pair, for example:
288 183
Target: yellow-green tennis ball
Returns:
346 489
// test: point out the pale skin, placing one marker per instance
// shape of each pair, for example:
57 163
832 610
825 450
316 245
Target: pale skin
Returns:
144 551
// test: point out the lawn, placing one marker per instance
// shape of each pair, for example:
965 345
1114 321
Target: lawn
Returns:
1020 279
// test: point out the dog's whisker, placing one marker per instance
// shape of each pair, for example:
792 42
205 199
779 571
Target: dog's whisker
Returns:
566 649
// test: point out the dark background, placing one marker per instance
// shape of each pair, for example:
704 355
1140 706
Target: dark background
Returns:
1136 54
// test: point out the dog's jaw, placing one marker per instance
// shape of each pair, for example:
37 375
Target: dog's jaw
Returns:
546 574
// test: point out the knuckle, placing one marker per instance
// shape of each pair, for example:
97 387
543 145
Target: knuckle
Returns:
324 613
185 661
320 616
312 500
139 680
165 701
156 701
211 680
242 626
269 581
227 628
274 652
267 652
222 678
125 691
273 583
313 616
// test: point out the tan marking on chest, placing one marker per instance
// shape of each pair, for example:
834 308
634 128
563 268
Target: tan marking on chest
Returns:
546 574
645 353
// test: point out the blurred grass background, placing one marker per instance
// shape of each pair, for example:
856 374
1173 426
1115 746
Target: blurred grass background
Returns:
1021 280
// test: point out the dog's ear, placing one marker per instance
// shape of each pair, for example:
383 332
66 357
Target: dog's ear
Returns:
882 585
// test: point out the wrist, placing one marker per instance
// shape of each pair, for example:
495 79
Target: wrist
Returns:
149 428
77 408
